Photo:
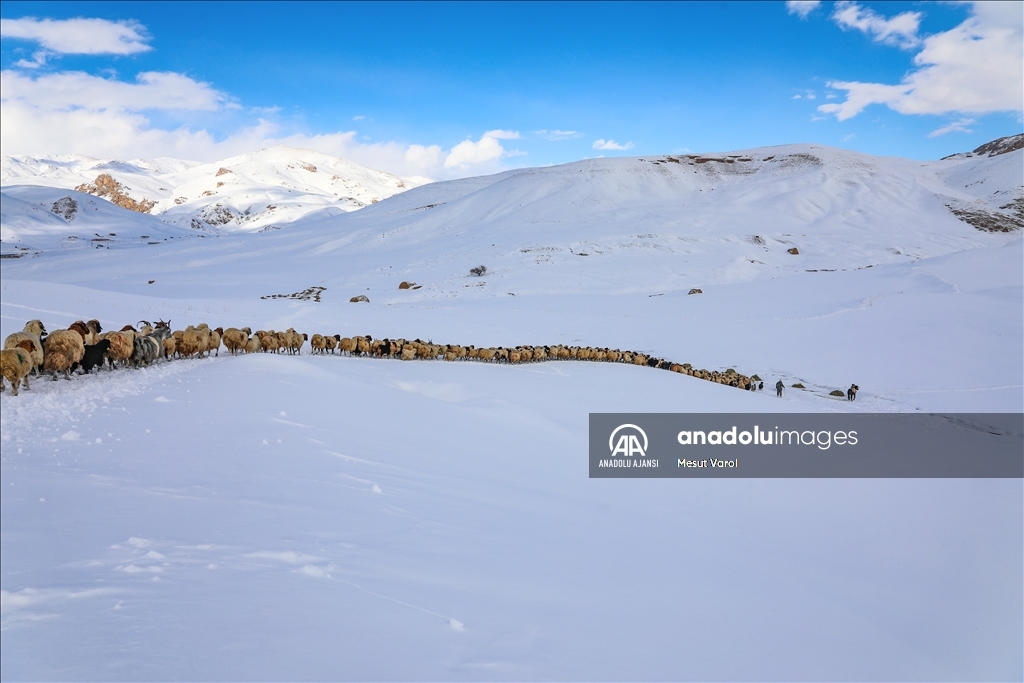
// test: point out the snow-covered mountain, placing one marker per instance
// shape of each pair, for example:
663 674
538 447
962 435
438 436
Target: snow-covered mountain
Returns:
262 190
811 228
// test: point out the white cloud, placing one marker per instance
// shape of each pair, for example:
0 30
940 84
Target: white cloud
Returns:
901 30
502 134
79 113
483 152
611 144
74 89
359 117
79 36
802 8
76 113
973 68
38 59
556 135
959 126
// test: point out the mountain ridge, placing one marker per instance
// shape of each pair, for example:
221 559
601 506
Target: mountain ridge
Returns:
258 190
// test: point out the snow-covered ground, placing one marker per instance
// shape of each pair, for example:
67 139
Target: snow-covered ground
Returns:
273 517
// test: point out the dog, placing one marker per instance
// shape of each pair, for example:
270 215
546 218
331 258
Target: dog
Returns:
851 393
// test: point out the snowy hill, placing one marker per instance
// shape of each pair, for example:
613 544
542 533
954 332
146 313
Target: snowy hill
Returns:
431 520
250 192
50 218
771 236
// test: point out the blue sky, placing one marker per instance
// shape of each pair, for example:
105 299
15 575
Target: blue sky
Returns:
444 90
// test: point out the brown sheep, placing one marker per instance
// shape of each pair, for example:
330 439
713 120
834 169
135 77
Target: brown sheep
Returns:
269 342
170 347
317 343
61 350
95 328
191 342
84 332
15 364
204 337
215 336
122 344
32 332
235 339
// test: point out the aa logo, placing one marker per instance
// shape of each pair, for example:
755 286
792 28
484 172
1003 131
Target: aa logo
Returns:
628 444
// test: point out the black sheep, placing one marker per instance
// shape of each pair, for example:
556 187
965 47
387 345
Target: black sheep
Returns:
94 354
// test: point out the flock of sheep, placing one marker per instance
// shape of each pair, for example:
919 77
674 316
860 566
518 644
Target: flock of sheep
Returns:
84 345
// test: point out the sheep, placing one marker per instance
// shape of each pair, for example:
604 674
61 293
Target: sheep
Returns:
253 344
122 343
235 339
96 329
283 341
170 347
93 356
286 341
90 331
61 350
191 342
293 340
269 341
32 332
298 339
15 364
84 332
215 336
332 342
205 338
317 344
347 345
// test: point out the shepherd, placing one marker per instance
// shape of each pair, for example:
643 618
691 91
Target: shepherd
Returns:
778 388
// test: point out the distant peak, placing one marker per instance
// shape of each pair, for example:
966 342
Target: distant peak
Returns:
1010 143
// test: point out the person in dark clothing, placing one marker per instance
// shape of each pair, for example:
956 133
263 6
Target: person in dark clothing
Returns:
778 388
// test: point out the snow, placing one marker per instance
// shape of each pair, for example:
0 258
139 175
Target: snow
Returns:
273 517
263 190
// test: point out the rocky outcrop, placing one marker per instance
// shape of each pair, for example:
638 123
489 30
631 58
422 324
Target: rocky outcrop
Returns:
1010 143
106 187
66 208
